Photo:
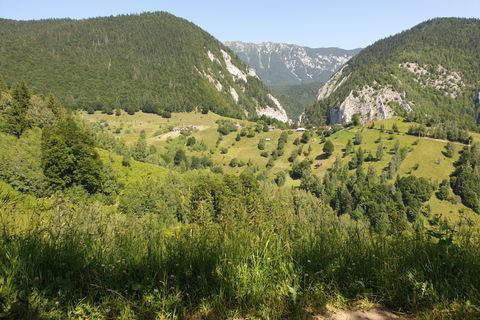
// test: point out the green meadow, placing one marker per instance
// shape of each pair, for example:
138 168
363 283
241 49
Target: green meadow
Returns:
177 243
425 158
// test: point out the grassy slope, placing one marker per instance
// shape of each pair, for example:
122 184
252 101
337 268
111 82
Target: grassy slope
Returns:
433 165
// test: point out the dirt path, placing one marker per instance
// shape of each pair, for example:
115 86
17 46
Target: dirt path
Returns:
177 134
372 314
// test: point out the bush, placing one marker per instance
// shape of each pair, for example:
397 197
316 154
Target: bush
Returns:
328 148
166 114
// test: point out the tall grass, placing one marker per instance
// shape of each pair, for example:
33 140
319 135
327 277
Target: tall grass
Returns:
74 261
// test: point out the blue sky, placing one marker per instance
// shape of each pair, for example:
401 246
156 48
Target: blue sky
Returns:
347 24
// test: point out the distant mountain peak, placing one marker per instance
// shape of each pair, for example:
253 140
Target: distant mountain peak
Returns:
289 64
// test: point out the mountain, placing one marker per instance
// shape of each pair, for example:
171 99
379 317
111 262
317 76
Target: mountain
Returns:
153 62
428 73
285 64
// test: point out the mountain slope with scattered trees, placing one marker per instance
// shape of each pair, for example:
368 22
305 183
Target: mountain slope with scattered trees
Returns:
154 62
428 73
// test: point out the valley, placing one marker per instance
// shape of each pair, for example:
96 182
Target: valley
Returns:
147 172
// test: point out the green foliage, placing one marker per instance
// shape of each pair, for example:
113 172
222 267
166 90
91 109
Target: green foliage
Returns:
179 157
225 127
69 156
305 137
191 141
280 178
358 138
414 191
356 119
21 162
450 149
464 180
16 115
328 148
299 169
380 151
140 151
443 192
261 144
233 163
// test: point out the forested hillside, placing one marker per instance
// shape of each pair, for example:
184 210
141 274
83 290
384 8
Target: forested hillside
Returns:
153 62
432 69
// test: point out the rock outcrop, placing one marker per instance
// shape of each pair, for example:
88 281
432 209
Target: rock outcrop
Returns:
274 111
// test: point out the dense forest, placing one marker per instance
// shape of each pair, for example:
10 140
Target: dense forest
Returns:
412 63
153 62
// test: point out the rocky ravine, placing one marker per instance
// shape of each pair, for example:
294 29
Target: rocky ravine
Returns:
284 64
275 111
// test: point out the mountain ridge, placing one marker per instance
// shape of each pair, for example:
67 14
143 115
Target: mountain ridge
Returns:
289 64
154 62
426 73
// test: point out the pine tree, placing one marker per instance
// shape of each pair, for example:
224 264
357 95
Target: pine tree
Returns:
17 115
380 152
